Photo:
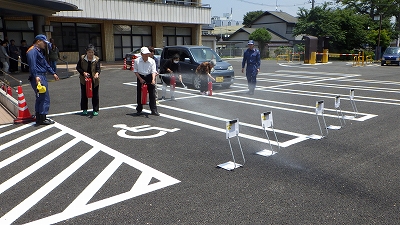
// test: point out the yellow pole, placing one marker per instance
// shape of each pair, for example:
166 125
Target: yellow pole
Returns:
325 56
313 57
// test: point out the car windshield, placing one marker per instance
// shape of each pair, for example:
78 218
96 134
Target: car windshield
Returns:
392 51
205 54
157 51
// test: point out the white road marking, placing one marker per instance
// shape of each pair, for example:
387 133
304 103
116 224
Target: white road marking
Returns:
222 130
137 129
5 125
15 130
80 205
24 137
25 152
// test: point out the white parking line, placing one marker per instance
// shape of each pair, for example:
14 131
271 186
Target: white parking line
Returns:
299 137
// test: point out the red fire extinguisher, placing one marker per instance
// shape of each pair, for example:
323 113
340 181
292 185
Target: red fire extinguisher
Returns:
144 94
9 90
172 82
209 88
89 89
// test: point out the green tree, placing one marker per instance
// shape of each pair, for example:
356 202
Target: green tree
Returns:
262 36
347 30
375 8
249 17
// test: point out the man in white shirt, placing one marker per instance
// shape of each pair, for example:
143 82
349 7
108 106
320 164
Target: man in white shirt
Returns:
145 71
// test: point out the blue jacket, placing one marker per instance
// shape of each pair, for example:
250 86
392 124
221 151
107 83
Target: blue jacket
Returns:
251 57
37 62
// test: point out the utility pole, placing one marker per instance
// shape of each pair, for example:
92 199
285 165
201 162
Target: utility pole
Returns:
312 4
379 37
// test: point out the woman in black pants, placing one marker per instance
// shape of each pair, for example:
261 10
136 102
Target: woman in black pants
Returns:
89 67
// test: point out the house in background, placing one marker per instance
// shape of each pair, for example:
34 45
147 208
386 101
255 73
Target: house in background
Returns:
208 38
279 24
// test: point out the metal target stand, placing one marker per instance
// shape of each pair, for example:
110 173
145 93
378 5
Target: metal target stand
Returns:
339 114
319 111
232 130
267 122
353 105
353 102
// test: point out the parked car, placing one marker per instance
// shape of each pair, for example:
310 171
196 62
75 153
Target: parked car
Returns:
191 57
136 54
391 56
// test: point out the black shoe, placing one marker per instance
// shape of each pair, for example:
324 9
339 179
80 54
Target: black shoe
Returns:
46 121
50 121
138 113
154 112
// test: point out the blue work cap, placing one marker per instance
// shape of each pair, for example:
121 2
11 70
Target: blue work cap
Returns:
251 42
42 37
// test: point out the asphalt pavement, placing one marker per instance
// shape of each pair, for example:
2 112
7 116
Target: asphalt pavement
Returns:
120 168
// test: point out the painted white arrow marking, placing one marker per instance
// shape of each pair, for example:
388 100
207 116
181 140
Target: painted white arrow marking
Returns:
137 129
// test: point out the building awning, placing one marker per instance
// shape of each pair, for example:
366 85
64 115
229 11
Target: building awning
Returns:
29 7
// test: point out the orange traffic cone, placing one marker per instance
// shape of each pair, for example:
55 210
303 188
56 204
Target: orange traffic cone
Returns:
124 68
24 116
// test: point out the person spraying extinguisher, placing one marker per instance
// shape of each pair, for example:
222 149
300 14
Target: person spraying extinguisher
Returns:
204 71
146 72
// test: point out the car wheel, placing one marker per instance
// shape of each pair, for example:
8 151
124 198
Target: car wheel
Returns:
382 64
196 82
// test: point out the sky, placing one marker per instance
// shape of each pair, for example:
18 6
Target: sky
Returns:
241 7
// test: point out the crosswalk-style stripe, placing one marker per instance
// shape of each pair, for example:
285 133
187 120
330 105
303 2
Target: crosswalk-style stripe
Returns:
33 199
80 205
32 148
31 169
24 137
15 130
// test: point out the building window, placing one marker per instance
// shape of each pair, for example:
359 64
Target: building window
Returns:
18 30
75 37
128 38
289 30
177 36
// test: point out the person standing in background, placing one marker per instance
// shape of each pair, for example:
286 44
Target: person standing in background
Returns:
252 57
14 54
4 57
152 52
54 55
23 49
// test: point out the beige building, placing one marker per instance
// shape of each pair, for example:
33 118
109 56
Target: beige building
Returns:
115 27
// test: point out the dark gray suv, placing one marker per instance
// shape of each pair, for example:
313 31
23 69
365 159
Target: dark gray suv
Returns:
191 57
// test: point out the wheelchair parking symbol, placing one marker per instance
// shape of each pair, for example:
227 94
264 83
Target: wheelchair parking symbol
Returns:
137 129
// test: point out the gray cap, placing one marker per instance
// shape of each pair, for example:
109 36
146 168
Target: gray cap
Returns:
213 62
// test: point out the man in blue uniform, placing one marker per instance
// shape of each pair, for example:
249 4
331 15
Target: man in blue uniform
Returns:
252 57
38 67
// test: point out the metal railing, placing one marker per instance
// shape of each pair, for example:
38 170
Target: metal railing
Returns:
66 64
